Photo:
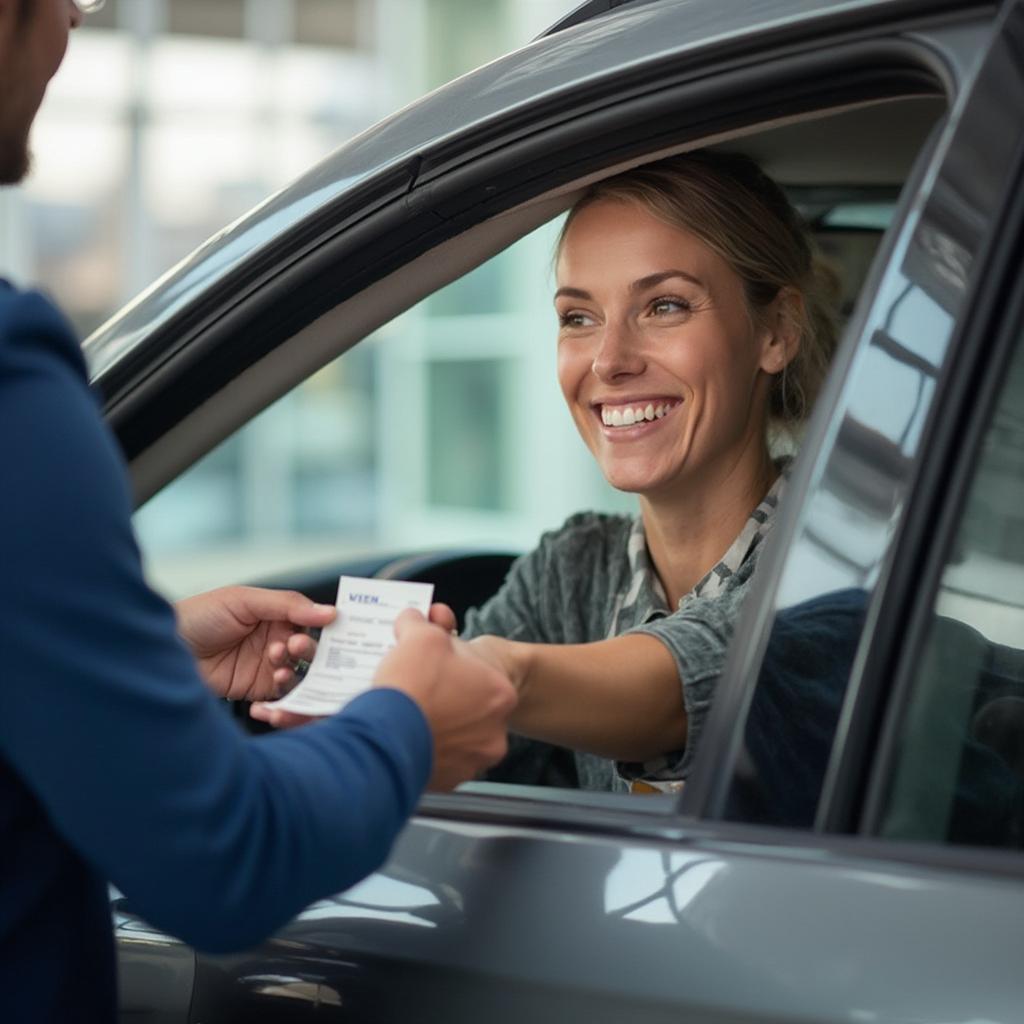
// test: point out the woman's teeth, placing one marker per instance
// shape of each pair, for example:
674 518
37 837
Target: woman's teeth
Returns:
626 417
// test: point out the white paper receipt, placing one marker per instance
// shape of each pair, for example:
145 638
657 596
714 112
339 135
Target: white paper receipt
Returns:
351 647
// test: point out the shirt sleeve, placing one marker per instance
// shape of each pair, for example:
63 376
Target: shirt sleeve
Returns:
216 837
697 636
554 594
513 612
559 592
528 605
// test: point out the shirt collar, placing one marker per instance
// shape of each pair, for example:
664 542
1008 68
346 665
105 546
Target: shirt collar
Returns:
644 598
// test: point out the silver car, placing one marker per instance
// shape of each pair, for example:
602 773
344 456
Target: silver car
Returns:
850 846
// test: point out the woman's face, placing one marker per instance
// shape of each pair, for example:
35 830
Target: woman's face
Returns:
658 358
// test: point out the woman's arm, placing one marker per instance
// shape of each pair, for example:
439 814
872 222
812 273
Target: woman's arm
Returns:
620 698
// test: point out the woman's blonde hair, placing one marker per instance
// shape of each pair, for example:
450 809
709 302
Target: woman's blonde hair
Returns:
731 205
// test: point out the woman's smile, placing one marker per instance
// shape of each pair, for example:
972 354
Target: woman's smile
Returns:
626 419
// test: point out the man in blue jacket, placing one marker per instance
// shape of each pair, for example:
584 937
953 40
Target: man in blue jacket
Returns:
116 761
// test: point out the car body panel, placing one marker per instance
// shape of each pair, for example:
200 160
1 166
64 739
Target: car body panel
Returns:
547 925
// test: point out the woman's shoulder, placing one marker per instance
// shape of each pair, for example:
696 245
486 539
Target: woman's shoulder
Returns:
593 531
553 593
588 545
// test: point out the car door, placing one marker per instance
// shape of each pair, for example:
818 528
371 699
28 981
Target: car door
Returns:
746 901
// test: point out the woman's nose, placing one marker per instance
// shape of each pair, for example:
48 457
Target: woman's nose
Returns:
618 356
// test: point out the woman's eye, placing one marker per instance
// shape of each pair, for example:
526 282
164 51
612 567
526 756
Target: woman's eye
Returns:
666 306
574 318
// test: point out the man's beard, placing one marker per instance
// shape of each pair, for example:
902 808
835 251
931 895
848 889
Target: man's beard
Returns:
15 160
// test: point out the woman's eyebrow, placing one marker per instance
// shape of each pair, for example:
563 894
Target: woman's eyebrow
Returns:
640 285
573 293
652 280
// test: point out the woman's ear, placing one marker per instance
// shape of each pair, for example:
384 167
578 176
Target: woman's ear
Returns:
780 339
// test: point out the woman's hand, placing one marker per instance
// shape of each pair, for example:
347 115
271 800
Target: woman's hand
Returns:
465 701
247 639
507 656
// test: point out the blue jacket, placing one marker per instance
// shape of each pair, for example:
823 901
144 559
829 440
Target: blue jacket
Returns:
116 763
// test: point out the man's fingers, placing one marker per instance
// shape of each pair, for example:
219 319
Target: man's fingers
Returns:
277 718
301 647
441 615
285 606
408 622
301 611
309 613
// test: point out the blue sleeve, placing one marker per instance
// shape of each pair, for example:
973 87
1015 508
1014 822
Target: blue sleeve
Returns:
216 837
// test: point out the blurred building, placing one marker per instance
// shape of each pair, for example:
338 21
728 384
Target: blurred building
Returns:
169 119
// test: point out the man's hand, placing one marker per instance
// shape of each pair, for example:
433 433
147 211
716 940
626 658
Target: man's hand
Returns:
247 639
466 700
440 614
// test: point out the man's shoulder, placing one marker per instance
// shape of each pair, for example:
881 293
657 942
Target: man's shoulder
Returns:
32 327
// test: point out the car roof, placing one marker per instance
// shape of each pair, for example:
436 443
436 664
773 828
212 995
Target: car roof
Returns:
587 11
420 140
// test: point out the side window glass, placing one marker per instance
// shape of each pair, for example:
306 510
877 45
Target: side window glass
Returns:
959 769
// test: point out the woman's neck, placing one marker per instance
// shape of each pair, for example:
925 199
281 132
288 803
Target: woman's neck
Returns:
688 532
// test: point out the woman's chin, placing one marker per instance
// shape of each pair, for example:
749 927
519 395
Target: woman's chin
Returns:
633 481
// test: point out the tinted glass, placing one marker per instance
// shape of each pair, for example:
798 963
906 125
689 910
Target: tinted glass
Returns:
959 772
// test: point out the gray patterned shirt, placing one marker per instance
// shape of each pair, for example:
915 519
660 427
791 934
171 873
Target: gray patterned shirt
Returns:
593 579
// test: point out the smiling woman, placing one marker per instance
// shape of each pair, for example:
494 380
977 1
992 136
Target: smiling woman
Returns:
693 315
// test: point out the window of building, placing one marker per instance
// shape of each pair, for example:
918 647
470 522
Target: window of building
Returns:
224 19
327 22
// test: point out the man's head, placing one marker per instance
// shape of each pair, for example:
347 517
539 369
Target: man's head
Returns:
33 38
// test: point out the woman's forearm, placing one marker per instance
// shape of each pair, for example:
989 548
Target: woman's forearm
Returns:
620 698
